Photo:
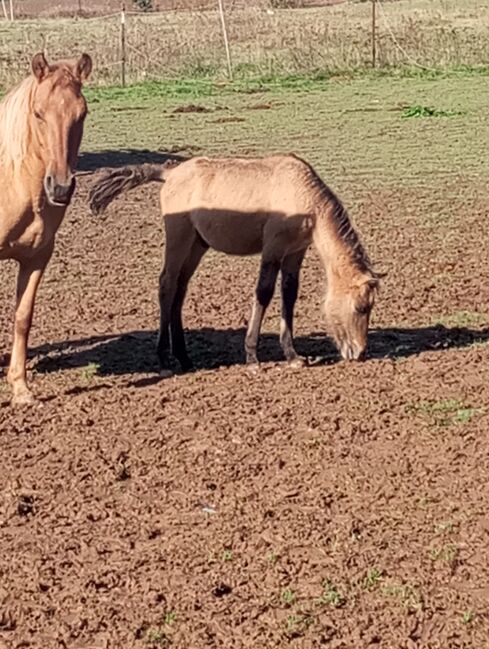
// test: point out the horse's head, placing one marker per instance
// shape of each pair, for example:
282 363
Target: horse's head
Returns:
58 113
348 306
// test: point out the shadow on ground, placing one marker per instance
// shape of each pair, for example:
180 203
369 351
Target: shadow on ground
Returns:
90 161
134 352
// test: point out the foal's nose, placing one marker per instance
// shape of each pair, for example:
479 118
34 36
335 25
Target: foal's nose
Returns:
353 352
58 193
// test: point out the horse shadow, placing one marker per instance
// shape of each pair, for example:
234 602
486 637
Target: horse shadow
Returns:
91 161
134 352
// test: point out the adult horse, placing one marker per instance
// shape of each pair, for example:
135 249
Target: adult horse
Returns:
41 127
275 205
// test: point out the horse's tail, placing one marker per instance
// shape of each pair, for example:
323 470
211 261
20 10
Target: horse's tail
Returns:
112 183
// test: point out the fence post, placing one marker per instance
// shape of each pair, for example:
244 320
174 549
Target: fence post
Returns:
374 33
123 43
226 41
4 10
12 10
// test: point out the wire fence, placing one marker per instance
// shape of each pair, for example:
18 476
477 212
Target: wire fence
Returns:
233 39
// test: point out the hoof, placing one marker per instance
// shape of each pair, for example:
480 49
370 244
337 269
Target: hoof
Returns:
166 373
24 399
253 368
297 362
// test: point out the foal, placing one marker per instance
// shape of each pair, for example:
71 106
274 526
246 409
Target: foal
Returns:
275 205
41 126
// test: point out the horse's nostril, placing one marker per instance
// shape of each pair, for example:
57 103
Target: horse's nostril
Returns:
49 181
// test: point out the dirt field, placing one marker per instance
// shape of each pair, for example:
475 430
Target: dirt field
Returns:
343 506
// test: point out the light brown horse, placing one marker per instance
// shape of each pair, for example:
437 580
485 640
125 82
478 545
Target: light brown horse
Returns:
41 127
276 205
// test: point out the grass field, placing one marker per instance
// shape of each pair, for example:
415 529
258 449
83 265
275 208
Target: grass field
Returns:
340 505
437 34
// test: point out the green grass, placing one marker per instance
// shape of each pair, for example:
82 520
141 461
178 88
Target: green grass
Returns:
462 319
445 411
331 596
288 597
89 371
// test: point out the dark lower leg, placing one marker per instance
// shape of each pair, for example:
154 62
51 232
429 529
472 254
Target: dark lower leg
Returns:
263 296
290 287
166 296
178 346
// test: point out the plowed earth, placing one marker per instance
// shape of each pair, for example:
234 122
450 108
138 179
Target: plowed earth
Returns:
338 505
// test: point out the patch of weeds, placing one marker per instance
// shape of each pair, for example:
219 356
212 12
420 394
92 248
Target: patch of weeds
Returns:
331 595
288 597
406 594
468 617
444 412
462 319
157 638
427 111
444 526
89 371
297 625
227 555
372 578
446 553
170 617
272 558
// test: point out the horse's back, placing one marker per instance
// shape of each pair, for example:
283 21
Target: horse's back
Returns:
236 203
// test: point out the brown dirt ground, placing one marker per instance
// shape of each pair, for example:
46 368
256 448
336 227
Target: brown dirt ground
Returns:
339 505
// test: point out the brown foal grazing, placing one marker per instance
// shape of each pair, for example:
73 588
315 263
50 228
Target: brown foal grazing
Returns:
41 127
275 205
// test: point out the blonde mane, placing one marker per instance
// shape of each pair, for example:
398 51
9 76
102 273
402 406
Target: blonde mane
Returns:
14 123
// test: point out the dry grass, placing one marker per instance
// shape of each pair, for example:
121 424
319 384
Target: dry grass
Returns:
72 8
432 33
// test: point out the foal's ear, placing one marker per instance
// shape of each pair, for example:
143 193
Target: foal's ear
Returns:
40 67
83 68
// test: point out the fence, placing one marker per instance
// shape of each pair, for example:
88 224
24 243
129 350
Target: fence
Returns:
236 40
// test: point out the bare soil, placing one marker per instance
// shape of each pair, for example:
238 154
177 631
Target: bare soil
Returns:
338 505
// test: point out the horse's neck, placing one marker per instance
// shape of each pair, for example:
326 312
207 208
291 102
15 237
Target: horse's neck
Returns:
331 240
21 185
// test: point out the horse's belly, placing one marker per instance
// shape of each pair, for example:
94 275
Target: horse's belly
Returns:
232 233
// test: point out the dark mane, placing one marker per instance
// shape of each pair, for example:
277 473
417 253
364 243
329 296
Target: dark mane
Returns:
340 218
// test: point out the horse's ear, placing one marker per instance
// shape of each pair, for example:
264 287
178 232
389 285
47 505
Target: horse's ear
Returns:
40 66
83 68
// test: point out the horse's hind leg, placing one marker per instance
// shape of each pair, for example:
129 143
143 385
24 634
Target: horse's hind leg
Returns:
290 269
178 346
30 275
263 295
180 236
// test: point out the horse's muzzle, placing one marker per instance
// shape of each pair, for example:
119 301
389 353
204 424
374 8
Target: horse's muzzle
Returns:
353 352
58 194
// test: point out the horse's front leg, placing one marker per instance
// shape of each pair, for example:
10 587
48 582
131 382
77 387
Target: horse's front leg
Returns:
290 270
30 274
263 296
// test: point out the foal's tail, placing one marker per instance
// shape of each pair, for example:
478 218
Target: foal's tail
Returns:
112 183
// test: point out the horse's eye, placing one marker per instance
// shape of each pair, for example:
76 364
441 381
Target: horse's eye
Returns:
38 115
362 309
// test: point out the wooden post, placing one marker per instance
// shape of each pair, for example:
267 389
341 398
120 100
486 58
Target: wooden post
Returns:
226 41
4 10
123 43
12 10
374 33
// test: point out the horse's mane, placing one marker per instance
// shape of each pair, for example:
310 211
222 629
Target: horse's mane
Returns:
14 124
341 222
